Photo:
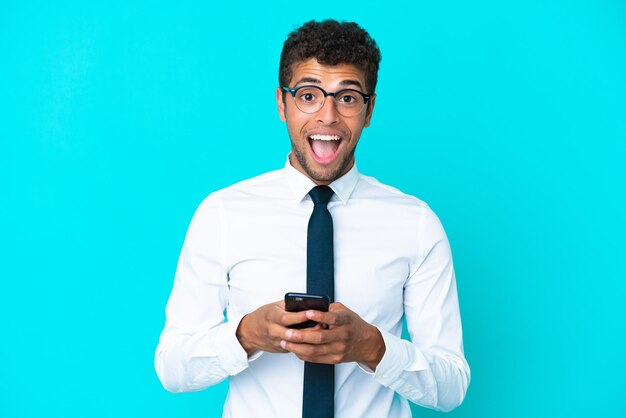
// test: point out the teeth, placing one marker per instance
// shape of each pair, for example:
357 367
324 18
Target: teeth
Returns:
319 137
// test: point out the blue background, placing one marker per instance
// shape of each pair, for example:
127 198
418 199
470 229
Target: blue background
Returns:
117 118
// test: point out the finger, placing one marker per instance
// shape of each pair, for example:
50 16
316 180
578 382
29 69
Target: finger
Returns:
329 318
287 319
314 336
336 307
312 353
275 334
305 350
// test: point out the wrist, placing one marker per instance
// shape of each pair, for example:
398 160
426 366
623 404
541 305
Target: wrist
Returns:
242 335
377 349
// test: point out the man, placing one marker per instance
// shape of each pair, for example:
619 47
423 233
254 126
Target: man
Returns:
248 245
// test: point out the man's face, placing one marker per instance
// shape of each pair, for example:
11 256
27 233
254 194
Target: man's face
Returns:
323 143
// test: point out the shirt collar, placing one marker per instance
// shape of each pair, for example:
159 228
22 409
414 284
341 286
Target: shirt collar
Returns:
301 184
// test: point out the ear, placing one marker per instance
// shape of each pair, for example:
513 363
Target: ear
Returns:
370 110
281 104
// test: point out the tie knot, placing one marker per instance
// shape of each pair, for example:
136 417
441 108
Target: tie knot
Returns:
321 194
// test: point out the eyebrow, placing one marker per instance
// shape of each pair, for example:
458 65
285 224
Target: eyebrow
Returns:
311 80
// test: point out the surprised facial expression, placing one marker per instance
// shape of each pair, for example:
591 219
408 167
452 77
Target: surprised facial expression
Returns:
323 143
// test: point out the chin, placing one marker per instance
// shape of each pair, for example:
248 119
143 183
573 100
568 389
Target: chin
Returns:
327 174
322 173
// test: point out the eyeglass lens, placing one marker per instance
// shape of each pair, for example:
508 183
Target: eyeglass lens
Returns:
310 99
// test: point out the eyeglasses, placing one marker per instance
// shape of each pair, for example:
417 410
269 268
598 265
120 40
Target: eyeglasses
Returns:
310 99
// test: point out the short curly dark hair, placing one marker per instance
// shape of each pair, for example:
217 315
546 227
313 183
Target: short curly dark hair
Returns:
331 43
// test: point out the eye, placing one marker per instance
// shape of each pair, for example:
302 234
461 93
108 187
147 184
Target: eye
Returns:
307 96
349 98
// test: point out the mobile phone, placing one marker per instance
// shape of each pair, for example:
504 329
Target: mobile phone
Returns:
296 302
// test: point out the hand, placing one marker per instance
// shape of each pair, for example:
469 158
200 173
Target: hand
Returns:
347 338
264 328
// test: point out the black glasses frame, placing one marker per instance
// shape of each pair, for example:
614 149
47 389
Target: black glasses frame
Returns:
293 91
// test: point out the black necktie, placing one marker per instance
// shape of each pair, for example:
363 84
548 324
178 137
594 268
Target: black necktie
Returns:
319 379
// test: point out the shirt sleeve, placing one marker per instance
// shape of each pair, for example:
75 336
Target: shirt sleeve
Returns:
430 370
198 346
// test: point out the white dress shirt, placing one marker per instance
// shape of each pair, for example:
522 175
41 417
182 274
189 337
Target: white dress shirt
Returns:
246 247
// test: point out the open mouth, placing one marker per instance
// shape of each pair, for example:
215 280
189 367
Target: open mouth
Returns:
324 147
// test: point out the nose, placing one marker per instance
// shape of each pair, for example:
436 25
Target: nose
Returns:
328 113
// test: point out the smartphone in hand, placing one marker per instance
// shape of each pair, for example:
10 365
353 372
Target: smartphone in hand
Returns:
296 302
